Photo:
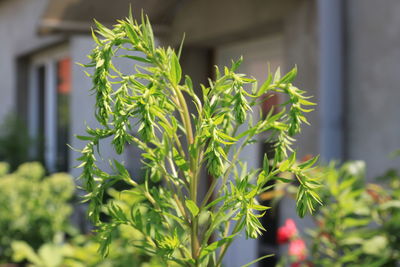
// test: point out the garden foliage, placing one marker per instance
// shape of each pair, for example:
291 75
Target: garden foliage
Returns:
33 208
82 250
359 224
148 108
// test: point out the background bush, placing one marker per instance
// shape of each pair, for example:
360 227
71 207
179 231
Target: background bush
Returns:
35 226
359 223
33 208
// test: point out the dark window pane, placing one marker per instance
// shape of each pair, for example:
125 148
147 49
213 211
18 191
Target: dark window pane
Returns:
41 90
63 119
268 243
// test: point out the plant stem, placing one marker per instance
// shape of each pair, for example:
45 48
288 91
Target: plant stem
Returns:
193 173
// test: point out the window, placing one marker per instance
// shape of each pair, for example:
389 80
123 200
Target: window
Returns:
48 107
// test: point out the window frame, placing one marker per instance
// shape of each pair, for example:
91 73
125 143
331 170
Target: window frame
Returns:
48 59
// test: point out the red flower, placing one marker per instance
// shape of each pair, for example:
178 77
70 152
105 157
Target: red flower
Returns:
297 248
299 264
287 232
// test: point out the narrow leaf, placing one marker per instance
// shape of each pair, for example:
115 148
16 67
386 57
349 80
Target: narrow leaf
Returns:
192 207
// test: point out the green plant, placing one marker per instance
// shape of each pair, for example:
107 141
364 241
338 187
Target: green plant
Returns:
32 208
179 226
359 224
82 250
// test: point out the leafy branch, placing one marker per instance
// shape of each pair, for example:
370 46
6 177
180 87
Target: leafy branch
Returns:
148 109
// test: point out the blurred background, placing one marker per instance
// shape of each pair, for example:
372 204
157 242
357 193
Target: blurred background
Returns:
347 54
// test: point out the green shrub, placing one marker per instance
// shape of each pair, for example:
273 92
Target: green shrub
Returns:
82 251
33 208
359 224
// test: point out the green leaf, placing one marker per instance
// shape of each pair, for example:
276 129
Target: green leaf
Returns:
141 59
284 166
189 83
266 163
226 137
131 33
99 63
180 161
277 76
219 119
236 64
309 163
95 38
121 169
290 76
215 245
85 138
285 180
107 33
214 202
192 207
292 158
260 207
176 71
257 260
181 46
265 85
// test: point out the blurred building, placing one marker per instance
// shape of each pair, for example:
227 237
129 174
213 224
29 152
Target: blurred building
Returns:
347 53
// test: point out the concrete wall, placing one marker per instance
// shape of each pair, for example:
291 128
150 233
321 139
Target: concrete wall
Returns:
82 102
18 21
209 22
301 48
372 88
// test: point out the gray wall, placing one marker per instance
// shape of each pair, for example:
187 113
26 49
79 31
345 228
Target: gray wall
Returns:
82 102
301 49
373 88
18 21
